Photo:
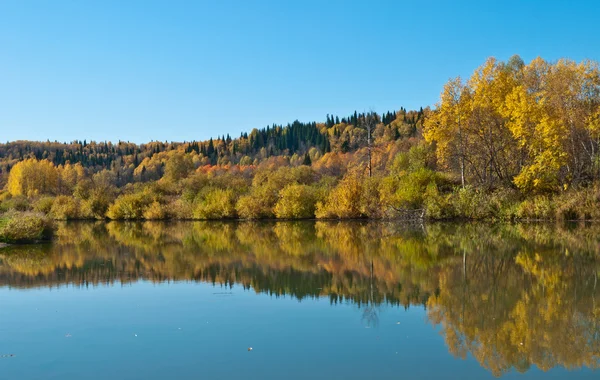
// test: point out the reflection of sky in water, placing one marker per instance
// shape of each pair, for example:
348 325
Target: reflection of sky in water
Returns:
187 331
177 329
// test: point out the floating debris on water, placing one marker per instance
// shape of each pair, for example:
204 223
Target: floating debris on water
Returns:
67 335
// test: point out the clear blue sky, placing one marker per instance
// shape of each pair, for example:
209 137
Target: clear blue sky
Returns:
183 70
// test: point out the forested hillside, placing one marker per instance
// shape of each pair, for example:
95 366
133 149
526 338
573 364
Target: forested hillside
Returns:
513 141
292 142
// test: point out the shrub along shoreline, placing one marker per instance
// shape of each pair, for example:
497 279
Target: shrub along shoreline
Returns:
25 227
280 191
30 219
350 198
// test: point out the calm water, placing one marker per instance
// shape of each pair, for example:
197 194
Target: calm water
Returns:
313 299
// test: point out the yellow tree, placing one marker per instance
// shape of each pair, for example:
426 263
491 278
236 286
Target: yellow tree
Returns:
32 177
296 201
345 200
493 147
446 126
68 176
593 126
178 166
552 114
591 87
536 130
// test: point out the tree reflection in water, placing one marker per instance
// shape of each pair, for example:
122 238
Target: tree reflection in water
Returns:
512 296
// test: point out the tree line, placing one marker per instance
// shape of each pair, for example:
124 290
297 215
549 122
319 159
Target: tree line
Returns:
513 141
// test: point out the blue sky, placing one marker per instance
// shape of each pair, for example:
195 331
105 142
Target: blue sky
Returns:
182 70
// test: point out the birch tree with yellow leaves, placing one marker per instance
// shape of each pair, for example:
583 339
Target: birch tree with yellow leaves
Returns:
536 126
446 127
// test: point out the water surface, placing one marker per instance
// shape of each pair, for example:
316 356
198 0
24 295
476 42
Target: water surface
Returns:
324 300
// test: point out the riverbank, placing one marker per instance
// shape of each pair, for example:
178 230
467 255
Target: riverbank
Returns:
25 227
357 201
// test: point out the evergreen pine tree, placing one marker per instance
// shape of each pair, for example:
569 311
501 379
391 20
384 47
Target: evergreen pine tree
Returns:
307 160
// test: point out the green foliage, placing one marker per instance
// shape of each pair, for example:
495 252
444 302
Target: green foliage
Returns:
578 205
371 204
538 207
65 207
180 209
417 157
24 227
178 167
307 161
437 206
470 203
83 189
155 211
412 184
15 203
130 206
43 204
97 204
503 204
4 195
254 206
296 202
408 190
266 187
215 204
345 200
410 193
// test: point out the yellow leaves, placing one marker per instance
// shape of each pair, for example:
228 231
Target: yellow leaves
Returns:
535 123
216 204
593 124
522 114
69 176
32 177
344 201
296 201
542 116
154 211
544 139
446 124
540 176
178 166
489 85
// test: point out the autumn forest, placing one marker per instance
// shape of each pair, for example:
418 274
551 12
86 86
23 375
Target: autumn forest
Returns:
515 141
